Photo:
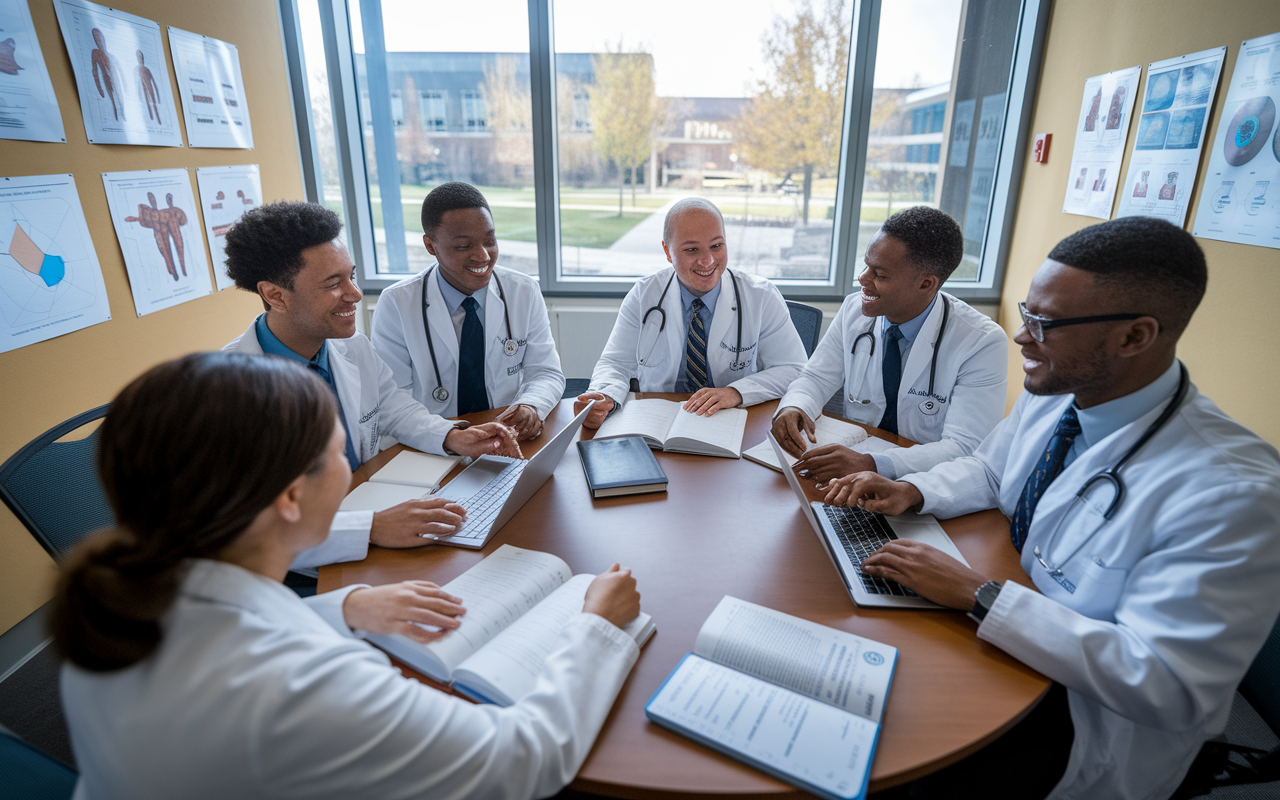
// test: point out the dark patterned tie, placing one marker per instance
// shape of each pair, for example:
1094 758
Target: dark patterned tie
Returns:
352 458
1046 469
891 372
695 350
471 392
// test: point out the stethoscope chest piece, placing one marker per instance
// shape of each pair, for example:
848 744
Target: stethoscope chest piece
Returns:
510 347
441 394
929 407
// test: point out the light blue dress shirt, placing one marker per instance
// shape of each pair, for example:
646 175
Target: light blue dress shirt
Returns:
1100 421
453 301
708 311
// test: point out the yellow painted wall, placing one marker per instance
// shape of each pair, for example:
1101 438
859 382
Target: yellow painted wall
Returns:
1229 345
48 382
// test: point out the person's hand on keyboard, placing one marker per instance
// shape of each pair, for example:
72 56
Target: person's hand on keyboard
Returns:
416 522
486 439
830 461
613 596
874 493
927 570
395 607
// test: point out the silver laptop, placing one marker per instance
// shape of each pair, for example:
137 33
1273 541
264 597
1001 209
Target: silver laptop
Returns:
849 535
493 488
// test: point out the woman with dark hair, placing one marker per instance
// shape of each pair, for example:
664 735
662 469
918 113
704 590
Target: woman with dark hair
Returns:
192 672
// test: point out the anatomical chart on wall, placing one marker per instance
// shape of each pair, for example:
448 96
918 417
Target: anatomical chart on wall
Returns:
212 90
225 194
154 212
121 75
1174 116
28 106
50 280
1240 201
1100 139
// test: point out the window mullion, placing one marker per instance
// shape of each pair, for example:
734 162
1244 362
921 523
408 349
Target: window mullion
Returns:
546 174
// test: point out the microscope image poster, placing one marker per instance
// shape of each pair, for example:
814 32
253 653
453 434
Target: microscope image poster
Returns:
225 194
154 212
1240 201
122 75
28 106
212 90
1174 117
1099 146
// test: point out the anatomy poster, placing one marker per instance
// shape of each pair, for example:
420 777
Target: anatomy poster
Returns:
154 212
1100 138
121 75
212 90
28 106
1240 201
1174 117
50 280
225 194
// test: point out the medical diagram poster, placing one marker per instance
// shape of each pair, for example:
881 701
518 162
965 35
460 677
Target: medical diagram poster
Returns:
225 194
28 106
50 280
1174 117
1240 201
122 75
154 213
1100 139
212 90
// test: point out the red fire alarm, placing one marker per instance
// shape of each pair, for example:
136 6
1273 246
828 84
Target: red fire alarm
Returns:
1040 147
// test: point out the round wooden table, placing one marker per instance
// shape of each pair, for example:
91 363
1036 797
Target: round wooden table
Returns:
730 526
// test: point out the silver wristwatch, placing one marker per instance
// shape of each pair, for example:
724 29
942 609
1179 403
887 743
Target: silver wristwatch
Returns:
983 600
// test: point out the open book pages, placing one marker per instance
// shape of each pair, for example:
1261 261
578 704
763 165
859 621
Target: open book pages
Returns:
499 594
665 425
408 476
827 430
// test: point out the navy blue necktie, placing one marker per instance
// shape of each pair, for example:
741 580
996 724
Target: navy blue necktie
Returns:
891 372
471 392
352 457
1046 469
695 350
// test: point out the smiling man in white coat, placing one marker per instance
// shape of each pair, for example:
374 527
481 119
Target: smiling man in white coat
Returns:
697 327
291 255
456 356
1153 600
904 356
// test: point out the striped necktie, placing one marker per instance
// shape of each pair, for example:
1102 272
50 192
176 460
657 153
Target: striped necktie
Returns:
695 350
1046 469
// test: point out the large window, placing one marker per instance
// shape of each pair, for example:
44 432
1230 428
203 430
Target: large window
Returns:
807 122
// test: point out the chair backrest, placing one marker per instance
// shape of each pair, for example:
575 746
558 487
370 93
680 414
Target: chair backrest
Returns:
1261 684
52 487
29 773
808 322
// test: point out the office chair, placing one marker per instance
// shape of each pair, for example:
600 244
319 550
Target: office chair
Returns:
29 773
52 487
808 322
1226 764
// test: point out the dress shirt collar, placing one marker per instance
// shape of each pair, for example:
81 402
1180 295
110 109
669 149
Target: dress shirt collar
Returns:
911 328
453 298
708 299
1100 421
271 345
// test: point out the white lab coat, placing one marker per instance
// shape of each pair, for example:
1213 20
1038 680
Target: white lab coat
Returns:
1173 597
772 353
969 388
252 694
372 405
532 376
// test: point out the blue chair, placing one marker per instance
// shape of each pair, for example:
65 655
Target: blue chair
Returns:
808 322
574 387
29 773
52 487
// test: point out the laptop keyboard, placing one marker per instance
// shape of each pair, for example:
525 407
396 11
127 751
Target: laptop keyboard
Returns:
862 533
483 506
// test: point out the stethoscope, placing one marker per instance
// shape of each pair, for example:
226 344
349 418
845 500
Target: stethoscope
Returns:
735 364
929 405
509 344
1111 476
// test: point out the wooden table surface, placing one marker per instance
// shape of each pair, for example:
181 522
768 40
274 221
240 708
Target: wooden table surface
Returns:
731 526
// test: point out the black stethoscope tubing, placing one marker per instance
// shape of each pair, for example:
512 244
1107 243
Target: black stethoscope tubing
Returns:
737 298
441 394
937 343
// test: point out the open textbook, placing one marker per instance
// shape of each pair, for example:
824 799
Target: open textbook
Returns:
408 476
665 425
517 602
793 698
827 430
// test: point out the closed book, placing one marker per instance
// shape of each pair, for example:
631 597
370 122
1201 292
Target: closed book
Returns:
620 466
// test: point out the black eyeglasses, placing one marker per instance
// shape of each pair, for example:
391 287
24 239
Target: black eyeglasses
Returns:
1036 325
